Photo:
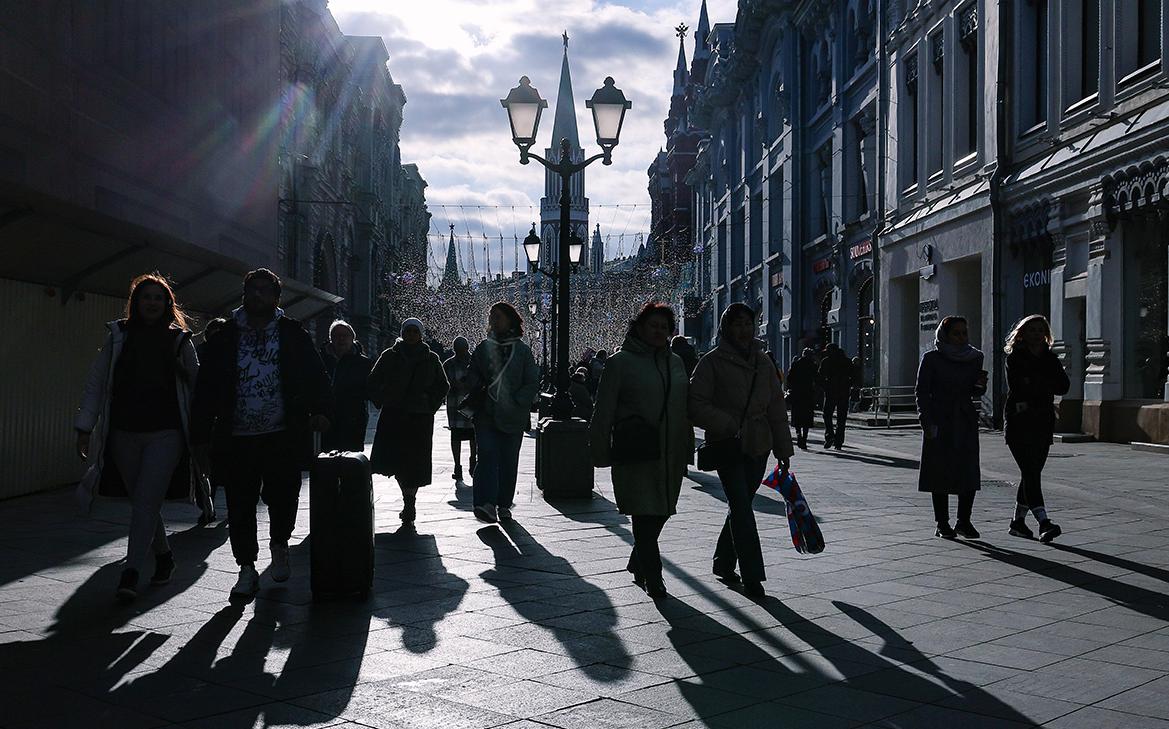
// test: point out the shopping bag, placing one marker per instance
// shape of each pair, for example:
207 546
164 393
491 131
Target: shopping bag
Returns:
806 535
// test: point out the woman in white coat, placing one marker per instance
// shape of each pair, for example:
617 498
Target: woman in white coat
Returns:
132 423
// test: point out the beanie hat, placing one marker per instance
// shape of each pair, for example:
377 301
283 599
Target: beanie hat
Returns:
411 322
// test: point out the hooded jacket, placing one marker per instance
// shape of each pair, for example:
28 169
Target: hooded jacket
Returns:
508 371
721 389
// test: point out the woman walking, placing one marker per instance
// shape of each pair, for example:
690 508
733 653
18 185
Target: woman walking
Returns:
408 383
348 369
458 370
801 387
502 367
132 426
949 377
1034 377
640 429
735 393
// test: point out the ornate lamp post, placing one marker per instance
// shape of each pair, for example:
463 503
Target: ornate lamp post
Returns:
524 105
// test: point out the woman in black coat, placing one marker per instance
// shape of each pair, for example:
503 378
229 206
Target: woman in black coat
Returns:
1034 377
348 369
801 388
949 378
409 385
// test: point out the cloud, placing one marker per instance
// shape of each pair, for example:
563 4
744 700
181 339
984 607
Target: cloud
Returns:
456 58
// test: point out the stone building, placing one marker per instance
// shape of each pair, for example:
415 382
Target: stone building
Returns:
786 184
353 216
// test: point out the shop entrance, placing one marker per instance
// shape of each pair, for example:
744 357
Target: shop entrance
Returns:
1146 310
904 346
866 333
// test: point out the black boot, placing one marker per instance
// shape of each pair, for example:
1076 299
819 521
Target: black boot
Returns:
164 568
1048 531
408 511
128 585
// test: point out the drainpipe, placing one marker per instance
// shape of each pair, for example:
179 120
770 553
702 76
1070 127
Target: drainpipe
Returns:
882 153
1004 149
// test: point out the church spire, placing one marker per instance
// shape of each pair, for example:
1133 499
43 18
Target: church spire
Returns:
681 75
702 35
450 274
564 126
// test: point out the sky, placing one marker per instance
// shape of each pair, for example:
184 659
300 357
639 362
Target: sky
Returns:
455 59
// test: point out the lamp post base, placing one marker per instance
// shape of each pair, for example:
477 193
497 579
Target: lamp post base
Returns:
564 466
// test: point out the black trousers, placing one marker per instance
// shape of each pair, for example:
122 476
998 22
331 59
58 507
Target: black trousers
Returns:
1031 457
834 431
942 506
255 467
739 540
646 559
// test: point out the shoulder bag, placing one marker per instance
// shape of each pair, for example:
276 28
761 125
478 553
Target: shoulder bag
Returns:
713 454
634 439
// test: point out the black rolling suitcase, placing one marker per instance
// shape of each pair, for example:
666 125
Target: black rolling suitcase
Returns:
341 525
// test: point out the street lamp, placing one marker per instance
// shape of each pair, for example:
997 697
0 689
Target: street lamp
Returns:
523 105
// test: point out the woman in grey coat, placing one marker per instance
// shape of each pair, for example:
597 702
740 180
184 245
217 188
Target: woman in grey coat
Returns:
949 379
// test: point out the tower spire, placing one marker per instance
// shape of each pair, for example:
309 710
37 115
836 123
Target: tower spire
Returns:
564 126
681 75
450 274
702 35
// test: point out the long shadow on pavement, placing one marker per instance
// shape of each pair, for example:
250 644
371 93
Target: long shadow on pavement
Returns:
828 677
417 610
1137 599
876 459
515 548
1156 573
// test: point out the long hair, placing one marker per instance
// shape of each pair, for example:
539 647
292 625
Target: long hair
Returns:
652 308
513 317
174 313
1015 338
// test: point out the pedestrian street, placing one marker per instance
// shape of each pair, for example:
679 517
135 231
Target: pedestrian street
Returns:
536 623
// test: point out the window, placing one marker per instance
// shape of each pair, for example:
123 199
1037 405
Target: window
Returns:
908 140
966 124
775 212
738 222
936 103
1089 48
1033 65
756 241
1138 33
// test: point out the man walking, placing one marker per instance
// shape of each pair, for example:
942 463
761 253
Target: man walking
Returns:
835 376
261 392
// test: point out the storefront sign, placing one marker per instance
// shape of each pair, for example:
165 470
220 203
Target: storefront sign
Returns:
928 314
864 248
821 265
777 279
1036 279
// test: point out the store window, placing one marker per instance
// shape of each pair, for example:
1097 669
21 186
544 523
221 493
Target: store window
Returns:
1146 307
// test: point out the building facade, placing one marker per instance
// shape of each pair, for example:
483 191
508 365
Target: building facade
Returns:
872 167
786 184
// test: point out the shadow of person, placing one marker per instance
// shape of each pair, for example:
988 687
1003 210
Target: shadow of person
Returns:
591 639
1148 570
876 459
815 659
1139 599
416 612
88 651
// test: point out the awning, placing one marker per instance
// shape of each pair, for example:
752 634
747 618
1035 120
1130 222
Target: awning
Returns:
48 241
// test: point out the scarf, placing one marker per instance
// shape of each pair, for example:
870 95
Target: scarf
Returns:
958 353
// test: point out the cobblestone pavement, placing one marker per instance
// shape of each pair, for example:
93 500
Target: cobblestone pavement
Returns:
536 623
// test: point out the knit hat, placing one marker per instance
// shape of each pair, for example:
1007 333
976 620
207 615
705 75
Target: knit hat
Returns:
411 322
460 342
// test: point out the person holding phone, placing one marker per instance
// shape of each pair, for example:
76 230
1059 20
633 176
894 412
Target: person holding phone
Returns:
948 380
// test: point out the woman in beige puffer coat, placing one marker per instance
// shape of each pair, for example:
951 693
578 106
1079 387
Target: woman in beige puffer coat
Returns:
735 391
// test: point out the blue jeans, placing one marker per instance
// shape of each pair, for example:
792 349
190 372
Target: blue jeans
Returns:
499 461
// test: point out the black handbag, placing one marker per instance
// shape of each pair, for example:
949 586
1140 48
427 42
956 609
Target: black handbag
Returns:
713 454
634 439
473 402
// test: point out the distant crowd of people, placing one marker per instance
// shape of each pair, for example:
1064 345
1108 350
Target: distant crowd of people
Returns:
162 418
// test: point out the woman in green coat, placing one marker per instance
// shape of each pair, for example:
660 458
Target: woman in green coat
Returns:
642 393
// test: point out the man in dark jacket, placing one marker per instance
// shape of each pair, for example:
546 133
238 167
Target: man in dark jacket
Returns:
261 392
348 368
835 377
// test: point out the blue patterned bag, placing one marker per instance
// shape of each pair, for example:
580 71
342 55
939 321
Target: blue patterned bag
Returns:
806 535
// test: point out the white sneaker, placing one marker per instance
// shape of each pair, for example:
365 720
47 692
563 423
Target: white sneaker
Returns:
280 568
504 513
486 512
248 583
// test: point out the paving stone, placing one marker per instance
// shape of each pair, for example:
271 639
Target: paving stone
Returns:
608 714
1094 717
